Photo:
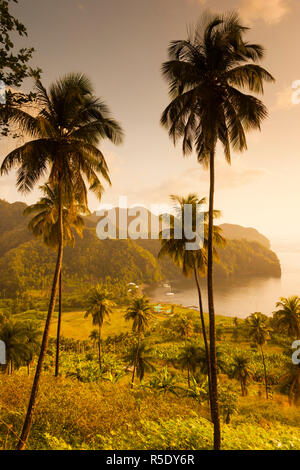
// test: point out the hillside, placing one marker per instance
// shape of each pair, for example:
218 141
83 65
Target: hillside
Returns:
13 226
26 264
11 216
237 232
31 265
238 258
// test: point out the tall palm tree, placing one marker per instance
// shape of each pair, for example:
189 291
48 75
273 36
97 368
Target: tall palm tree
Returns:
259 333
207 73
45 224
142 356
100 306
241 371
191 262
288 315
189 359
63 139
140 313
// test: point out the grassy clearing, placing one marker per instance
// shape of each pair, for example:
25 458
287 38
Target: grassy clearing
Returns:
74 325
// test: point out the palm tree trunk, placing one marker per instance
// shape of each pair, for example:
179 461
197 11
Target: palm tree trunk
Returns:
291 393
37 378
136 360
188 371
203 331
99 348
265 371
58 325
212 327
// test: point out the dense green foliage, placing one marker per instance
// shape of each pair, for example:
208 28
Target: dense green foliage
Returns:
30 266
92 408
14 64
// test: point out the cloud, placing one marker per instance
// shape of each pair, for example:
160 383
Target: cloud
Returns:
284 98
201 2
114 162
271 11
196 180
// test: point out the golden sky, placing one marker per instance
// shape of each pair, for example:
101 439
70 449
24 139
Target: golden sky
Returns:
121 44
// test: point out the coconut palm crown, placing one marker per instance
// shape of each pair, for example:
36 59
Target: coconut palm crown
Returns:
63 138
207 75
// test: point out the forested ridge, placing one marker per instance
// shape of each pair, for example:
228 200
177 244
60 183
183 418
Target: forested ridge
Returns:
26 263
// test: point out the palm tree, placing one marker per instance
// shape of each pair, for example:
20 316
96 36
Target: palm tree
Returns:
63 139
204 366
288 315
141 356
139 312
206 75
94 337
189 359
184 327
191 262
13 335
241 372
45 224
259 332
99 307
236 329
292 380
32 335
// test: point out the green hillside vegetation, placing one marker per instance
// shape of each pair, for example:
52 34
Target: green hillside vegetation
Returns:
247 258
26 264
30 266
237 232
11 215
13 226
